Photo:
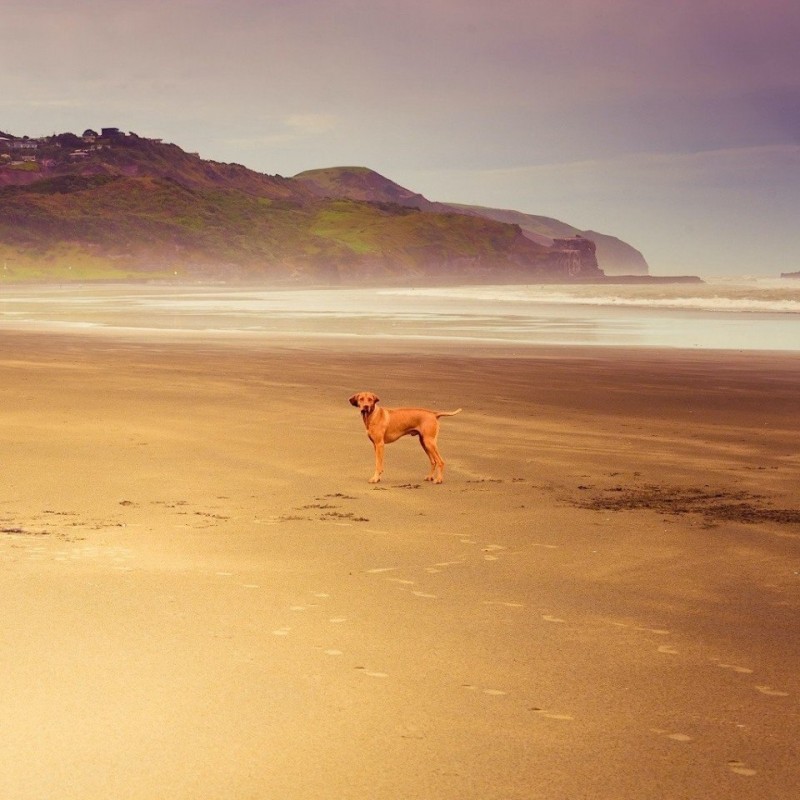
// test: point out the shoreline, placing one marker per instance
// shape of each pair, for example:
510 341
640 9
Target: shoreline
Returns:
367 344
400 323
204 596
360 284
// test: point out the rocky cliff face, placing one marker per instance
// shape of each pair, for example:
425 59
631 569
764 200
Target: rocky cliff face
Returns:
614 256
578 256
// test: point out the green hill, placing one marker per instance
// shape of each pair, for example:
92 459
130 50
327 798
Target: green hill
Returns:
120 206
614 256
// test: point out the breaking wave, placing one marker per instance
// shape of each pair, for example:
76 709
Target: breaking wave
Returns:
767 297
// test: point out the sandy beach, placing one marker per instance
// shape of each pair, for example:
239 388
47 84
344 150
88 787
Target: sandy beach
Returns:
203 597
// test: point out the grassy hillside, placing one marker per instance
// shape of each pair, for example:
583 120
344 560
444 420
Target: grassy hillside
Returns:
131 207
359 183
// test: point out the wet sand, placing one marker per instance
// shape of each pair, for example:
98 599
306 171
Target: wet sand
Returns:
204 598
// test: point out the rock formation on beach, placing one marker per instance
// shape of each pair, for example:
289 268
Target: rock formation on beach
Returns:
577 253
113 206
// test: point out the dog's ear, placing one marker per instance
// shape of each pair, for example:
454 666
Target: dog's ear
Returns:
376 399
354 400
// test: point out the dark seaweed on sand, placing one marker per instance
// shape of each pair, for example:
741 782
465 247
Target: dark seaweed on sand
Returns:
714 505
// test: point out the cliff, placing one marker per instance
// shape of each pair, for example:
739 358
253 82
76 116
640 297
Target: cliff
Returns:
614 256
120 206
579 255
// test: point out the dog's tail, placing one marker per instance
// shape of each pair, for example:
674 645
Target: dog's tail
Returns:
447 413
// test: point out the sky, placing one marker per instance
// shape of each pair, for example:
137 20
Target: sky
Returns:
672 124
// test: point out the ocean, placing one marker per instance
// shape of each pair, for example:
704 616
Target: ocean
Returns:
730 314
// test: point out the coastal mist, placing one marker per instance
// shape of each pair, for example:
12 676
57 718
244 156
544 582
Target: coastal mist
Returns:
738 314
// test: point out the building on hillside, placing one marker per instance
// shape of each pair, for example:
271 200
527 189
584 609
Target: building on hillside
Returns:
24 144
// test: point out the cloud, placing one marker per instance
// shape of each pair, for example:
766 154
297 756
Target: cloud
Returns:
772 165
287 130
310 124
606 113
743 163
57 102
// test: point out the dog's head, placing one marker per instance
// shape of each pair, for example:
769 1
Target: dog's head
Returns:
365 402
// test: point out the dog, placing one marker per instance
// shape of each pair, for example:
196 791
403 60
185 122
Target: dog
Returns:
387 425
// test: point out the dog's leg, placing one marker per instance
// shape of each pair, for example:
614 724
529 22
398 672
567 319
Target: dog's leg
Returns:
378 462
436 474
426 448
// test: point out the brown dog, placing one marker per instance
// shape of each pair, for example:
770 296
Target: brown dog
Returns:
387 425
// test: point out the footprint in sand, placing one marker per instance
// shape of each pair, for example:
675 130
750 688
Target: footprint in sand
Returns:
657 631
768 690
491 549
436 568
676 737
551 618
376 570
734 668
504 603
665 648
543 712
425 594
372 673
281 631
487 691
740 768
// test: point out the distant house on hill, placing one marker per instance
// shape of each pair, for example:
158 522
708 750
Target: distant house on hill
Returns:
111 133
24 144
89 136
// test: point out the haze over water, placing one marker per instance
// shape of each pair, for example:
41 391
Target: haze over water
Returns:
739 314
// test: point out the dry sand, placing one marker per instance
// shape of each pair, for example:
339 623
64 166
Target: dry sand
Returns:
202 597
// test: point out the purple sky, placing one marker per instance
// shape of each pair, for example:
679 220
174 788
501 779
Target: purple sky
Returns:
672 124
